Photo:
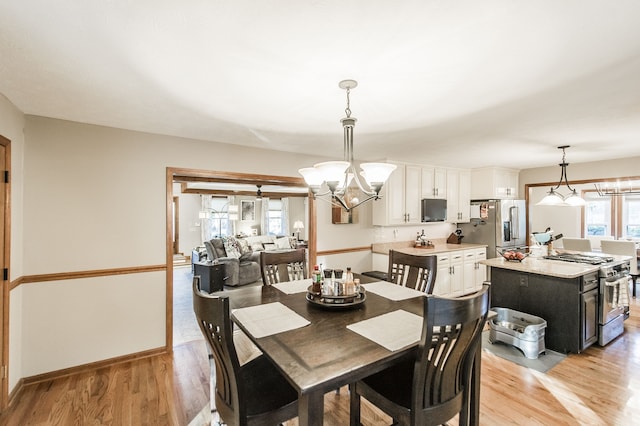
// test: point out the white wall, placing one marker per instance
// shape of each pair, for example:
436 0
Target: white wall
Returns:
189 221
95 198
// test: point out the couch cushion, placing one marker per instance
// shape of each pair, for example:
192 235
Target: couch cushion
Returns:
232 247
283 243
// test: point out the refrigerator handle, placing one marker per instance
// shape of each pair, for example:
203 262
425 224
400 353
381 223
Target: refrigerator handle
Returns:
513 218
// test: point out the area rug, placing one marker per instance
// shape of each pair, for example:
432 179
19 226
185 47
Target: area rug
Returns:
545 362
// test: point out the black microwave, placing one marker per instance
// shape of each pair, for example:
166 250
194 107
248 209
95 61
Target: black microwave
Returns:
434 210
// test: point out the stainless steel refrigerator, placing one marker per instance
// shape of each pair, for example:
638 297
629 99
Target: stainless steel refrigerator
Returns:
500 224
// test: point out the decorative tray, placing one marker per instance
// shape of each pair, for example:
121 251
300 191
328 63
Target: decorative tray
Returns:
336 302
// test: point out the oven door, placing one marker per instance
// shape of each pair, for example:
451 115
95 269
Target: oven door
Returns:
608 305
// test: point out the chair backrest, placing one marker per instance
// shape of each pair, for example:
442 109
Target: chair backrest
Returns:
596 241
281 266
212 315
624 248
414 271
577 244
451 334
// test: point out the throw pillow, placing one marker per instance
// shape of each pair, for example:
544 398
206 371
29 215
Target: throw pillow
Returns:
282 243
232 247
244 246
257 247
269 246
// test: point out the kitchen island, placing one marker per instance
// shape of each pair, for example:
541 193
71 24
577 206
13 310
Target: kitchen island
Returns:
563 294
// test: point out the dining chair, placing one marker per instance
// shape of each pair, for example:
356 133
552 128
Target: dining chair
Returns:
577 244
434 384
282 266
249 394
414 271
624 248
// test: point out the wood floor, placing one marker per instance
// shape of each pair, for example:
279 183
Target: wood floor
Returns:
598 387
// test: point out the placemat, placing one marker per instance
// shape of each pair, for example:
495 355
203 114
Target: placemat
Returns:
292 287
394 330
268 319
392 291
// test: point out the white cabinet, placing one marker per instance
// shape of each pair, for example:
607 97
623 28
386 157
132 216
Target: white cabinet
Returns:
450 275
434 182
474 273
400 203
494 182
458 195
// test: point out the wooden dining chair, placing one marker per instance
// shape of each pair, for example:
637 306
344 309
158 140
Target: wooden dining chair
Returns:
250 394
432 386
414 271
624 248
282 266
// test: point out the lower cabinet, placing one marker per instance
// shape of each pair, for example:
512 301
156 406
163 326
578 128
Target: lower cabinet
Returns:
568 305
458 272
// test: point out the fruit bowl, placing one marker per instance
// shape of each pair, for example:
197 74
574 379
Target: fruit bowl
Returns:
513 255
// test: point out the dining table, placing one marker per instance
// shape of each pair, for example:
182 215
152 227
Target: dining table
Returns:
319 349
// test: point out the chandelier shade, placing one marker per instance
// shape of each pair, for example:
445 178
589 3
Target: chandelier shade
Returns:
338 175
554 198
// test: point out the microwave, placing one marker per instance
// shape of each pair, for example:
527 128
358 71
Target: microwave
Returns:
433 210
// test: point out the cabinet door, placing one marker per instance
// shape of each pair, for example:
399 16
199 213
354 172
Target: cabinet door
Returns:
464 196
481 270
457 274
469 266
506 184
412 193
390 209
452 195
443 277
434 182
589 314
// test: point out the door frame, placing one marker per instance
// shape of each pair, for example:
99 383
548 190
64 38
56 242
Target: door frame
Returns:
184 175
5 259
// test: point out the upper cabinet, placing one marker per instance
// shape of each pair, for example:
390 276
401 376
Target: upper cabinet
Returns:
494 182
434 182
459 195
401 195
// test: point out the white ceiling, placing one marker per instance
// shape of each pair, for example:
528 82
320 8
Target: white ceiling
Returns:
468 83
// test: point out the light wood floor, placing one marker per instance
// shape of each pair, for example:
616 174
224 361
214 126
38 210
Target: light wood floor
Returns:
598 387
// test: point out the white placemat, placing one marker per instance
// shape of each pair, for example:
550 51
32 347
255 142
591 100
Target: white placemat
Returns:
394 330
268 319
292 287
392 291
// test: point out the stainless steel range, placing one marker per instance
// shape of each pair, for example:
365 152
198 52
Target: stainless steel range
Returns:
613 291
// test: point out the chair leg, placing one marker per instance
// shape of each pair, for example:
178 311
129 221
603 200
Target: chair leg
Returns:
354 406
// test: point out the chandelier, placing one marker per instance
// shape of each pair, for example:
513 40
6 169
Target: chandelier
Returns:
338 175
554 198
617 190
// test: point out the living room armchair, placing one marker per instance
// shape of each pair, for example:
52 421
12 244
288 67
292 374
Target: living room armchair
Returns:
240 268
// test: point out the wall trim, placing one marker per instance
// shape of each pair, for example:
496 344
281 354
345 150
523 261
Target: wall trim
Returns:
344 250
60 276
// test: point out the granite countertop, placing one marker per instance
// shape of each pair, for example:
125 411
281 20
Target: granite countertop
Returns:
536 265
439 246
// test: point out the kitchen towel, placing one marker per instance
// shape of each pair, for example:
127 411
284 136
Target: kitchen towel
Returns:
268 319
292 287
391 291
394 330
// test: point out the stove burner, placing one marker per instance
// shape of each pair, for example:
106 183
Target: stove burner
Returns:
580 258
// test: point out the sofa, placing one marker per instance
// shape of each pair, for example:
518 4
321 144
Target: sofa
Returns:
241 256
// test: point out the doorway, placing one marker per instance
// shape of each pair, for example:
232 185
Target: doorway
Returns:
186 176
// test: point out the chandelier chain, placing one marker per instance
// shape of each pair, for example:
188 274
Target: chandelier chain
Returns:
348 108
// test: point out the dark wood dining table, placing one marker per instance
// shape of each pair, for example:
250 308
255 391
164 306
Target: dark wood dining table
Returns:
324 355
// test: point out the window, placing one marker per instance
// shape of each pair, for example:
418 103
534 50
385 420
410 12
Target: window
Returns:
631 216
217 224
597 215
275 218
618 216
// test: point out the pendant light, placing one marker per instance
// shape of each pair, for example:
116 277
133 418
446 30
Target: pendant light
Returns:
554 198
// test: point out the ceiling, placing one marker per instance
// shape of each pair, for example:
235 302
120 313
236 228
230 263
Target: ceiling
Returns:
451 83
